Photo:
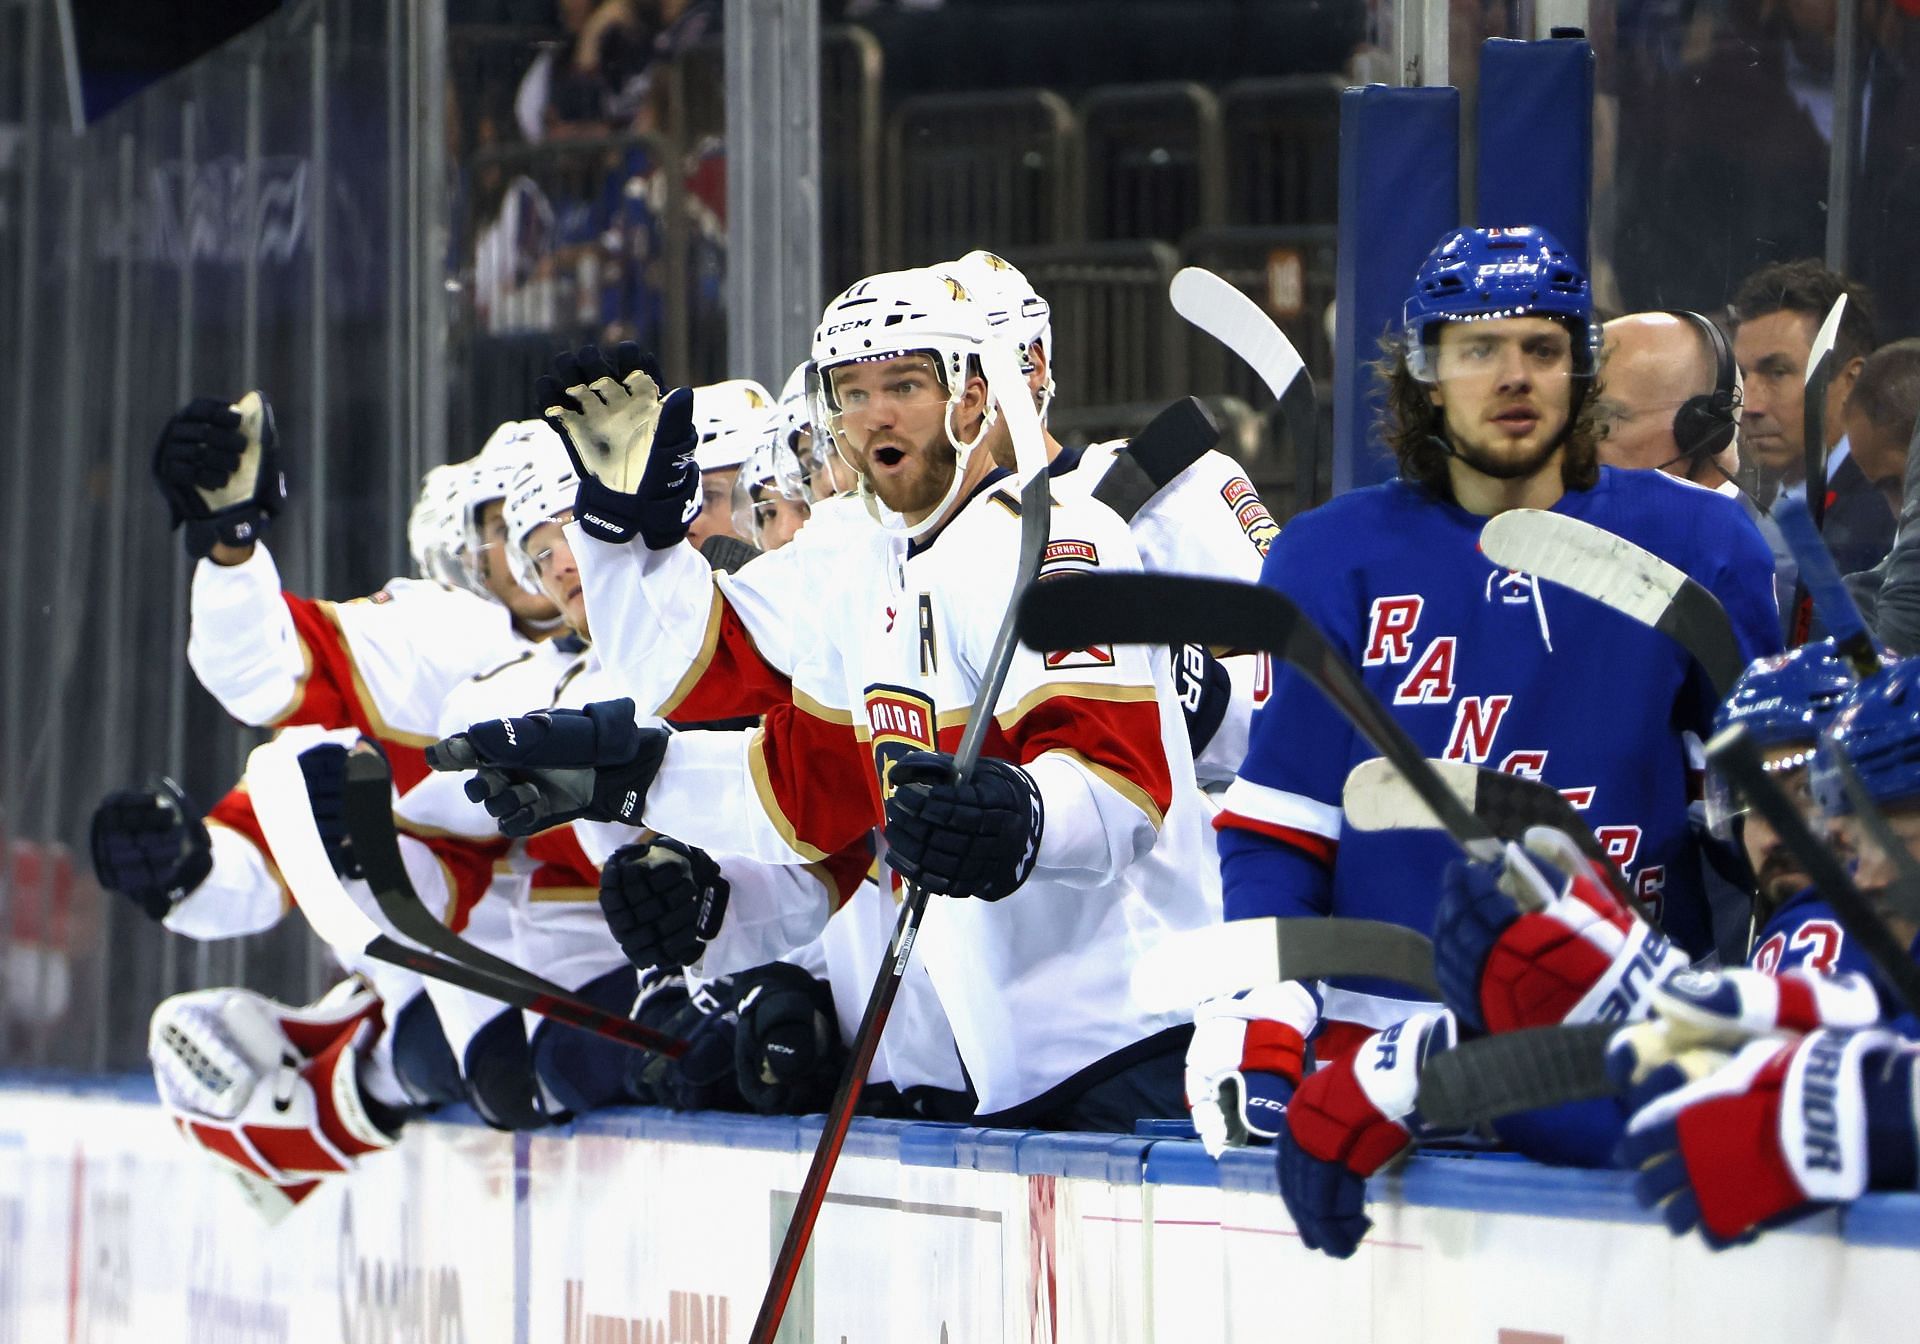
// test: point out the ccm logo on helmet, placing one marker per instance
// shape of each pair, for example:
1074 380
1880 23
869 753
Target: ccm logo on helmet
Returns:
854 325
1509 268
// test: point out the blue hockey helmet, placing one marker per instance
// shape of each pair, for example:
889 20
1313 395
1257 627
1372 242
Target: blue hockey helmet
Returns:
1878 729
1475 275
1782 700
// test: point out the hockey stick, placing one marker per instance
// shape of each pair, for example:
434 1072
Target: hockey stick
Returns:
1813 450
1093 609
1172 441
1237 322
1482 1080
367 802
1613 571
1733 753
1376 798
1023 420
1184 968
1821 582
279 793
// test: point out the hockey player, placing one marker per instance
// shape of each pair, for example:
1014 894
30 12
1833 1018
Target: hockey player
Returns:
1488 408
1076 838
729 417
771 499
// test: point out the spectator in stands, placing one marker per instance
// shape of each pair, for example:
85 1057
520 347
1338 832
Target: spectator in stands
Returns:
1777 312
592 82
1655 364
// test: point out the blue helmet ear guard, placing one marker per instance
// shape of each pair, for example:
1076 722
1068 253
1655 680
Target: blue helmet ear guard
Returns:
1477 275
1782 700
1878 729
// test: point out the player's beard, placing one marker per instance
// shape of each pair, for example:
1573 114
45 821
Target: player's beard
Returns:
920 488
1517 468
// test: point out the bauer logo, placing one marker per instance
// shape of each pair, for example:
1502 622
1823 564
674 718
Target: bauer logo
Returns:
899 721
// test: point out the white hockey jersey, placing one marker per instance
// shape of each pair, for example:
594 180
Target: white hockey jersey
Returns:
858 648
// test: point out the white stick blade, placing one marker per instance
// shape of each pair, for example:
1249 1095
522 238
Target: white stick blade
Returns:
1823 340
1238 323
1015 398
279 794
1377 797
1585 558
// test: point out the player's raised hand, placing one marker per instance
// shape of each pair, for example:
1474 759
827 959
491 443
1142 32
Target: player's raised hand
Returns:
1347 1120
1538 938
150 845
553 766
631 443
1244 1062
663 901
219 468
1732 1144
975 838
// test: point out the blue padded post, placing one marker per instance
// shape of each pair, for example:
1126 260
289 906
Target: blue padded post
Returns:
1399 192
1536 138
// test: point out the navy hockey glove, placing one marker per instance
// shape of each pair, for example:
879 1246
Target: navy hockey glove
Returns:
631 444
219 468
553 766
664 901
150 845
702 1078
325 770
787 1053
977 838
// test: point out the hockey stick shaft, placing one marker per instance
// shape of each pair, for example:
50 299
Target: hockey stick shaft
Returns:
286 820
1904 893
1483 1080
1733 753
1813 449
1010 389
1821 581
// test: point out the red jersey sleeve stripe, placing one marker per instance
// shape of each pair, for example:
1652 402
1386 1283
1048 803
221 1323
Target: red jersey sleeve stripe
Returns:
1316 847
1113 730
804 767
728 679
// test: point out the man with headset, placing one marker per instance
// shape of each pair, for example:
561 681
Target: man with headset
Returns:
1669 398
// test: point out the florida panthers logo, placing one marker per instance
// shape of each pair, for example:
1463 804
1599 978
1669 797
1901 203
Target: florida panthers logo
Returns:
899 721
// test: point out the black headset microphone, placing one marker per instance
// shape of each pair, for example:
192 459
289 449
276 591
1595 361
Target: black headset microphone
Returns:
1703 426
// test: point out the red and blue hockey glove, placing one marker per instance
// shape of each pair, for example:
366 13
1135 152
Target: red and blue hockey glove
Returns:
150 845
1346 1121
663 901
976 838
219 468
1538 938
554 766
632 447
1735 1144
1244 1062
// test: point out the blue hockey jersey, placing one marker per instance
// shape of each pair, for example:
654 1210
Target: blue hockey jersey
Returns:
1484 665
1805 934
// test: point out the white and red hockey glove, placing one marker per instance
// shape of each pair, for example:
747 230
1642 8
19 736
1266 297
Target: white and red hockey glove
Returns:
1349 1119
1724 1010
1244 1062
1735 1144
1538 938
268 1090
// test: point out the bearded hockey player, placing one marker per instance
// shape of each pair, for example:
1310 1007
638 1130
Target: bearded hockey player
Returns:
1076 840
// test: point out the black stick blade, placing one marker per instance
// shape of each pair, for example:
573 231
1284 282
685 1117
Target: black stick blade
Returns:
1480 1081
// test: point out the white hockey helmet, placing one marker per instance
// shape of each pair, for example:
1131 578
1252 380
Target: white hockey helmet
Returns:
434 536
917 311
542 491
509 448
730 418
772 472
1014 308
